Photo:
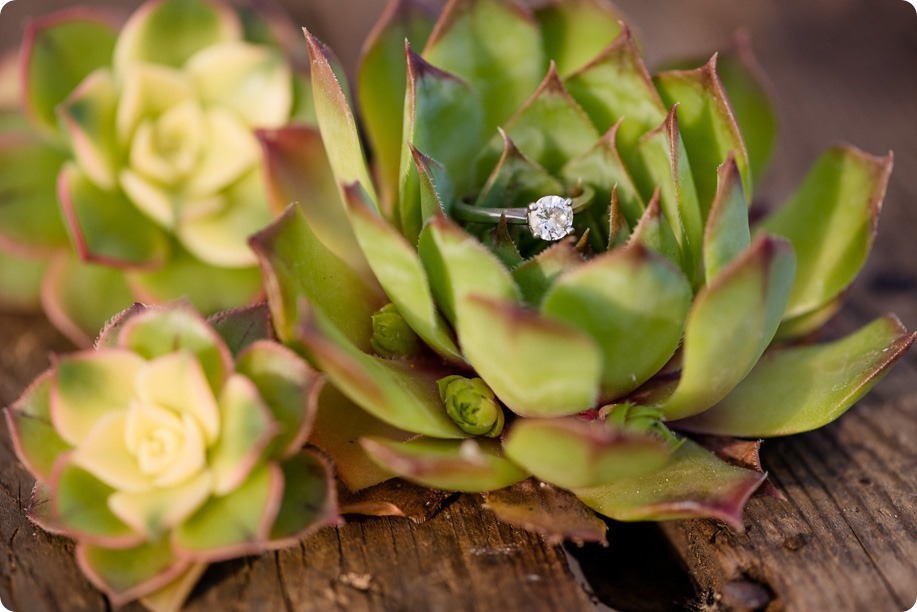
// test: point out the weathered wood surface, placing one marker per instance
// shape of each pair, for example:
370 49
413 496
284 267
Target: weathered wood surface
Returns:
846 538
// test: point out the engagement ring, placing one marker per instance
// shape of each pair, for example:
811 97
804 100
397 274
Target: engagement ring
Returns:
549 218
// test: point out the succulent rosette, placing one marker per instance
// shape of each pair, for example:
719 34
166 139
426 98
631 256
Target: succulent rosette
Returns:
172 444
131 170
470 352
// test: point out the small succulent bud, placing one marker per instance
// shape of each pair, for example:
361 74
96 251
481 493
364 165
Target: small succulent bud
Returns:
472 405
639 419
392 336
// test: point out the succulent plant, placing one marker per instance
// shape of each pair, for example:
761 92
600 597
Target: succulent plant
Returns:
131 169
172 444
666 316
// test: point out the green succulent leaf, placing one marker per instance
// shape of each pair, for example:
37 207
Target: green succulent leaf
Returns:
618 227
553 512
667 168
398 268
51 70
308 499
297 170
381 83
80 507
798 389
831 221
457 265
602 168
88 115
235 524
209 288
401 393
508 347
572 453
516 179
654 232
496 46
615 86
171 31
468 465
173 595
633 304
20 282
730 324
707 126
296 265
98 220
288 387
550 128
30 220
79 297
694 483
158 333
536 276
242 327
127 573
727 234
807 323
339 425
336 121
575 32
36 441
436 189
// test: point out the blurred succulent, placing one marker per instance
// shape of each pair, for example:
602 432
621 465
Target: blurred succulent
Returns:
131 169
583 362
172 444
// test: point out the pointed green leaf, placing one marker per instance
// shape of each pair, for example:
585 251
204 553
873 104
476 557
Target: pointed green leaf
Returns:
493 44
633 304
654 231
576 31
603 169
554 513
537 366
730 324
798 389
706 124
571 453
88 115
695 483
397 265
51 70
35 440
233 525
666 164
128 573
618 227
288 388
339 426
79 298
308 499
297 170
727 234
401 393
30 220
242 327
105 226
209 288
831 221
458 265
171 31
615 86
437 192
501 243
381 83
537 275
336 121
296 264
470 465
516 180
551 128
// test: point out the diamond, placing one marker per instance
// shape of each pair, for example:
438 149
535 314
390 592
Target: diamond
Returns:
551 217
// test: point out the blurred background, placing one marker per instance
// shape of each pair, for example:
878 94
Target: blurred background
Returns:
843 70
